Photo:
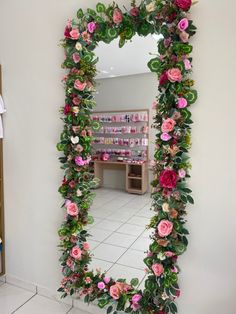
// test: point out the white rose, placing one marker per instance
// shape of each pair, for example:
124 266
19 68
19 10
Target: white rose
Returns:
78 46
151 6
75 110
165 207
74 139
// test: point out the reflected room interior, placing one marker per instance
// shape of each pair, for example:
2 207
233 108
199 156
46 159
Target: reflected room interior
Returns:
121 152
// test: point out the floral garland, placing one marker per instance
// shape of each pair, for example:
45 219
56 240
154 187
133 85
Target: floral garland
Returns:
170 195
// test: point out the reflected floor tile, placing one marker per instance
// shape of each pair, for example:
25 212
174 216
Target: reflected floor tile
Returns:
124 272
99 234
12 297
108 252
77 311
119 239
120 216
147 213
93 244
109 225
99 264
38 303
134 258
101 213
141 244
131 229
139 221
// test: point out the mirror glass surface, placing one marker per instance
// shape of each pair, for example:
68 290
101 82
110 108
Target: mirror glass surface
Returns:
122 148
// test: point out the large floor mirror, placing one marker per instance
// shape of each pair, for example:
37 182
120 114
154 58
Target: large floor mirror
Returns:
121 152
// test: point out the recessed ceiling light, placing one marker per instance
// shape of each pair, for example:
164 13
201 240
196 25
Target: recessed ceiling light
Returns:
111 68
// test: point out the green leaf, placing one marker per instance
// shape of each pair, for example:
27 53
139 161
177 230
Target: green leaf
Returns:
102 303
80 14
180 248
191 96
180 65
112 33
90 220
190 199
60 147
91 12
154 65
96 126
148 261
128 33
100 7
134 282
121 44
109 310
173 307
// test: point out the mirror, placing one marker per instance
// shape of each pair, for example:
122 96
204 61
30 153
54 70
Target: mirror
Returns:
121 151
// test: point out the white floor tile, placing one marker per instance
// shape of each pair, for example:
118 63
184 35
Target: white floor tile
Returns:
38 304
12 297
147 233
100 213
99 264
108 252
141 244
145 212
119 239
121 216
134 258
96 221
124 272
109 225
77 311
98 234
131 229
139 221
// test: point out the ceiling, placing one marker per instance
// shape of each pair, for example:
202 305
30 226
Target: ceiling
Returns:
131 59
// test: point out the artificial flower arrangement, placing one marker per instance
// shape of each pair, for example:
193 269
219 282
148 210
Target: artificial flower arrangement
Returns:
172 120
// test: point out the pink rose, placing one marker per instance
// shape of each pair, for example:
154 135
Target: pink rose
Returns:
183 4
115 292
168 179
83 133
187 64
182 103
174 75
169 254
67 109
105 157
174 269
86 246
101 285
78 193
117 16
164 228
76 101
158 269
135 306
79 85
134 11
72 209
154 105
86 36
79 161
183 24
136 298
106 279
167 42
165 137
184 37
76 57
168 125
91 27
76 252
74 34
79 148
69 262
182 173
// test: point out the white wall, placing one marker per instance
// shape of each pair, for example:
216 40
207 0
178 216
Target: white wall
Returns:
29 34
127 93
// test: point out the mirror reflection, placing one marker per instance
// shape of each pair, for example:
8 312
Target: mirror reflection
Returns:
122 148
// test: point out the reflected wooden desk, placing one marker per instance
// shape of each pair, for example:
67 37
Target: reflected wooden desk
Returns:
136 174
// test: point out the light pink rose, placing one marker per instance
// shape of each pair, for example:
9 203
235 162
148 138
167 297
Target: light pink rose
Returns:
182 103
86 246
69 23
76 252
79 161
106 279
117 16
167 42
76 57
187 64
158 269
91 27
136 298
182 173
165 137
169 254
168 125
83 133
174 269
74 34
86 36
72 209
164 228
79 85
115 292
69 262
174 75
101 285
78 193
184 37
79 148
88 280
183 24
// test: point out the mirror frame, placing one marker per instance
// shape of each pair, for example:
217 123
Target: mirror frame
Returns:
172 120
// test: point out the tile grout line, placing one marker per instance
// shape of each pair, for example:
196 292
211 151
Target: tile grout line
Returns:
25 302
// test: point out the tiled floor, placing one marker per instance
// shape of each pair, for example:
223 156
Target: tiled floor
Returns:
119 238
118 242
